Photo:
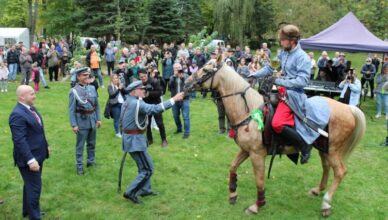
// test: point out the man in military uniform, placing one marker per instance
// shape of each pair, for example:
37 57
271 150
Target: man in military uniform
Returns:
134 121
84 112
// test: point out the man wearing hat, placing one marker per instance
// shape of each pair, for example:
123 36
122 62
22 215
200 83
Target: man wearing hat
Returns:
368 71
134 121
296 67
84 112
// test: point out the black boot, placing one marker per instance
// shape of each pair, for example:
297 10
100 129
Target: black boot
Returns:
291 135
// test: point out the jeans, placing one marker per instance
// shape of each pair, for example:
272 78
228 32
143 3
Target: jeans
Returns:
183 106
116 110
97 73
43 80
382 99
12 67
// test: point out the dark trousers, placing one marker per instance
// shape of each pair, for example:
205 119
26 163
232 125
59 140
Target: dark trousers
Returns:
110 66
53 69
165 86
63 67
221 116
25 78
159 122
371 85
31 191
142 183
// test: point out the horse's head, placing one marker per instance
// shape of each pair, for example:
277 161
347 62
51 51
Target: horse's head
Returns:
204 77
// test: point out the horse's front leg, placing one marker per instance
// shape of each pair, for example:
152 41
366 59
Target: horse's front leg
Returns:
238 160
258 163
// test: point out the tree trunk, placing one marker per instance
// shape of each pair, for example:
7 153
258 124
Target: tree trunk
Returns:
32 15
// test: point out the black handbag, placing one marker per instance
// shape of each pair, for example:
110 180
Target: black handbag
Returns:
107 111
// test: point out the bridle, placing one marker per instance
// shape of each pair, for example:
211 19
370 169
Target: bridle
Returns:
210 74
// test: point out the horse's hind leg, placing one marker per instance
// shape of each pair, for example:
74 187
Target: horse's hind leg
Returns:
325 175
339 169
238 160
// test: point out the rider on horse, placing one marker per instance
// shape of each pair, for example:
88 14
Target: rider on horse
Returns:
296 75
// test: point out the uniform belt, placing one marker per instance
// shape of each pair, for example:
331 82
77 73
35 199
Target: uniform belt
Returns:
127 131
85 112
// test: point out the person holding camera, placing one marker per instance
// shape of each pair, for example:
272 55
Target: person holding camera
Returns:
176 84
368 71
351 89
152 96
168 70
381 93
116 99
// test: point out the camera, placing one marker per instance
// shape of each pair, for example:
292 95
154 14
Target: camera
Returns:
148 88
350 74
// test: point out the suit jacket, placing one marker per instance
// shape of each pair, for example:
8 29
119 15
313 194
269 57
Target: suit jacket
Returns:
28 136
137 142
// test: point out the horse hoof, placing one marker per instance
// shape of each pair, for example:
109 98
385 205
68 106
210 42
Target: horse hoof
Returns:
326 212
250 212
232 200
314 192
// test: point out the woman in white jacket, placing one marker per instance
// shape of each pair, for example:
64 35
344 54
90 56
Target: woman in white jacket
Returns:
351 88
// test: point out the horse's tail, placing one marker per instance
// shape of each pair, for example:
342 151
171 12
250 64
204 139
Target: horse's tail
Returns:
358 131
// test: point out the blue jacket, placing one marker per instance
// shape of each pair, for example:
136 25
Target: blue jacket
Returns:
138 142
29 140
84 109
355 89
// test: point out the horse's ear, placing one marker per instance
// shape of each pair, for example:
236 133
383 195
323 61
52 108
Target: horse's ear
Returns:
219 59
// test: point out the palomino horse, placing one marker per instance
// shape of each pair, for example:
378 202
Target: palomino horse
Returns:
346 128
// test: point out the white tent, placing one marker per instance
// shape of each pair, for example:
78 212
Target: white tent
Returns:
11 36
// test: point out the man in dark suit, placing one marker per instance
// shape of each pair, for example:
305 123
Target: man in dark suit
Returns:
30 148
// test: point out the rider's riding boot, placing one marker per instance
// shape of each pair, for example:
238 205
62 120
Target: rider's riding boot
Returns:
292 135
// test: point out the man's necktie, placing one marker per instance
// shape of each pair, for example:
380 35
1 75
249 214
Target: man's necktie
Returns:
36 115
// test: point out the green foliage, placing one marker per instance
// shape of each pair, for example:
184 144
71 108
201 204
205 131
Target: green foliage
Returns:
202 38
59 17
13 13
166 24
190 12
241 20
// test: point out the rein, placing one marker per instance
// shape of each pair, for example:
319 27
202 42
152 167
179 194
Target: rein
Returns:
242 93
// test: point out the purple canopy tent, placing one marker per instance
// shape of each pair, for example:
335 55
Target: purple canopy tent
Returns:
348 35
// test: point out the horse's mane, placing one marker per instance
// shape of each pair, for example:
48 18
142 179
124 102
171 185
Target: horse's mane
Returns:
232 79
236 83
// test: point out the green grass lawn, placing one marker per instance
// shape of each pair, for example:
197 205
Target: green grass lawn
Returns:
191 175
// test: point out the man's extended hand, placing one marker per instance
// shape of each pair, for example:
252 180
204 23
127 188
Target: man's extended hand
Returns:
75 129
34 166
178 97
98 124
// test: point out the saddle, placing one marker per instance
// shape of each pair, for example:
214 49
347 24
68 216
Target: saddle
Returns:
274 144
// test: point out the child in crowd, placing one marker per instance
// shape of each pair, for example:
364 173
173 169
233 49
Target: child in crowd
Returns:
3 77
35 76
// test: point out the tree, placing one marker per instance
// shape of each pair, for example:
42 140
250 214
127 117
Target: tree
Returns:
166 24
190 12
129 19
13 13
310 16
58 17
207 11
241 20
